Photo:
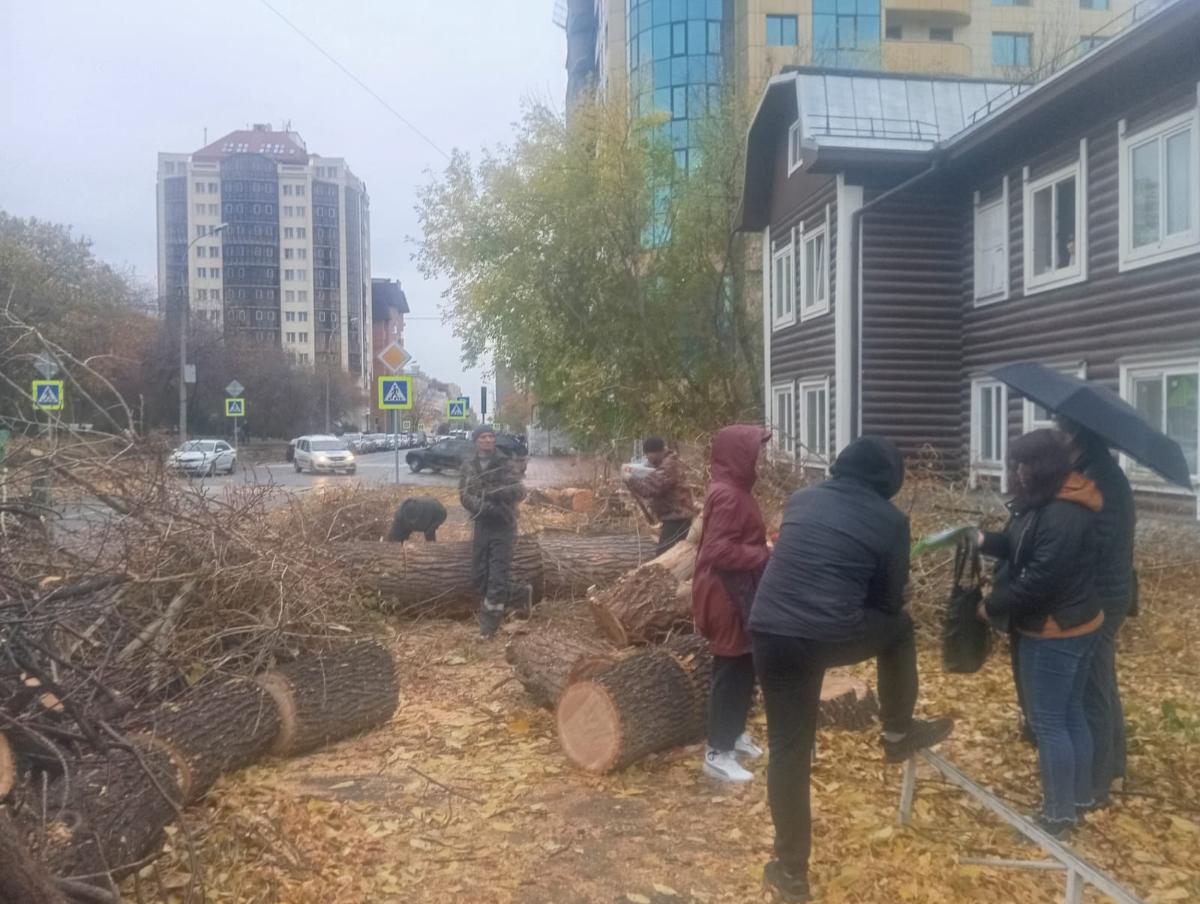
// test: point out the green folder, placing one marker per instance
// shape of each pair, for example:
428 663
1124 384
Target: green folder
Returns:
941 540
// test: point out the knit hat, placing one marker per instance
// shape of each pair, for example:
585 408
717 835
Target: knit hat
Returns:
483 430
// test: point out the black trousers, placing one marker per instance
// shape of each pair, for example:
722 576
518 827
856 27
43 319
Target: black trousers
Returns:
790 672
491 562
672 531
729 699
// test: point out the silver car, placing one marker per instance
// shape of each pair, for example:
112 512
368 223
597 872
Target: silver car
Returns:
203 456
323 453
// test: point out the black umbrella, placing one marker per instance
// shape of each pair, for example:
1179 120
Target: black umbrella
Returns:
1102 411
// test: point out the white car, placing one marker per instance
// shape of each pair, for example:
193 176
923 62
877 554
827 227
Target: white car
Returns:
323 453
204 456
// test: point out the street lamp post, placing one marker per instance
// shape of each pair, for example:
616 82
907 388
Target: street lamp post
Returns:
184 315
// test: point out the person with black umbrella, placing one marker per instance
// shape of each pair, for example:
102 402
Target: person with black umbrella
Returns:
1116 585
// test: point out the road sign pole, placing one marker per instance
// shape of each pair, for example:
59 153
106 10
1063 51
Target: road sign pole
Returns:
235 434
396 437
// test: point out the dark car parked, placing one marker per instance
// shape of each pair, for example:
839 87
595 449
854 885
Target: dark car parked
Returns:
450 452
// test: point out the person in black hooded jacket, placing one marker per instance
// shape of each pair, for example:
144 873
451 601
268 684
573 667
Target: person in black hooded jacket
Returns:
833 594
1116 585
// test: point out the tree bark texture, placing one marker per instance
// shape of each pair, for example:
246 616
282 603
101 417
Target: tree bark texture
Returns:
571 563
214 730
432 579
108 811
637 706
332 695
22 879
649 602
546 661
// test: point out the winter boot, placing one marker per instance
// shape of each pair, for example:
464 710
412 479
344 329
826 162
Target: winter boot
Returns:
723 765
490 617
920 735
783 884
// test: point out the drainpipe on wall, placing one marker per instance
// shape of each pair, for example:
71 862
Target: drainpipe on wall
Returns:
855 280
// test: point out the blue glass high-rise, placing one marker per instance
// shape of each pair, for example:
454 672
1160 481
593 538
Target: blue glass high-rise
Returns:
677 56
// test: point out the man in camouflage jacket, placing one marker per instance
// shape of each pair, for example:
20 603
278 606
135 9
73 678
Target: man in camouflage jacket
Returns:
490 490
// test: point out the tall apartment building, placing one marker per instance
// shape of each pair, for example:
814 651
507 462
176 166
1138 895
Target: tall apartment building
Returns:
673 55
292 267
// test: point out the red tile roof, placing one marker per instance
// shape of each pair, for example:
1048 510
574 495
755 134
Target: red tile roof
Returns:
286 147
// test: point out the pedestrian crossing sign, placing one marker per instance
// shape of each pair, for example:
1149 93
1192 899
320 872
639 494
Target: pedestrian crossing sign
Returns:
48 395
456 409
235 408
395 393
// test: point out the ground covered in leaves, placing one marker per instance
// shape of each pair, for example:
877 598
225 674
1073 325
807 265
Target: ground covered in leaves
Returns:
465 795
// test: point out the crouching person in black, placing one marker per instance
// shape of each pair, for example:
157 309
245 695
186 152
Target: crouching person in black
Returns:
417 515
833 595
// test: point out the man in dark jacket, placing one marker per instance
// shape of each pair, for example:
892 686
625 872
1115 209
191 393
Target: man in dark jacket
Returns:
490 490
1116 585
834 594
418 514
666 490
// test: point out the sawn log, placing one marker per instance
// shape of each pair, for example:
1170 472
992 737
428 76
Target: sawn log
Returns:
649 602
571 563
546 661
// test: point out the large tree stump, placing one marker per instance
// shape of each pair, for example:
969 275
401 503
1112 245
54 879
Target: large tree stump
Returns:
571 563
211 731
649 602
635 707
108 811
546 661
431 579
22 879
328 696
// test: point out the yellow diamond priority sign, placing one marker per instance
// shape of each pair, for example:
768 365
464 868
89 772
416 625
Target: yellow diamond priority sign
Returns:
394 357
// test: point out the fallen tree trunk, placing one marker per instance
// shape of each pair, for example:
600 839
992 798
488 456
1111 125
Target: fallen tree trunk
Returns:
323 698
657 699
572 563
546 661
649 602
22 879
212 731
431 579
114 809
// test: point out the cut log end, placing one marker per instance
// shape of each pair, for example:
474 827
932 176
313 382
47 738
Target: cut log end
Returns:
589 727
8 767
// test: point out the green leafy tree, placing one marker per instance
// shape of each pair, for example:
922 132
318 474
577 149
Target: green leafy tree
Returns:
608 281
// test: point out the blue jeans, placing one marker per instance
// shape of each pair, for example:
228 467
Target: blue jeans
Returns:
1054 672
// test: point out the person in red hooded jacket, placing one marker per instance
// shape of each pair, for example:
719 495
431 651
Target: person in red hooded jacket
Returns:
732 555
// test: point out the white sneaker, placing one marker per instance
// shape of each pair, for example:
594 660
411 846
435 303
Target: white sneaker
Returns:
723 765
747 748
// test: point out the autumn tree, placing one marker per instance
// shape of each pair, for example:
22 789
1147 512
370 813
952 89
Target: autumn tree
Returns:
607 280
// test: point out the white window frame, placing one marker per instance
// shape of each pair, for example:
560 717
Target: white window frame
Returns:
980 467
783 436
809 311
1073 274
795 154
1000 203
804 453
1131 370
1168 247
1028 409
787 256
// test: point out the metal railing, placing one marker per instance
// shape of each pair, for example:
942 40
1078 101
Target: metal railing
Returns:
1079 871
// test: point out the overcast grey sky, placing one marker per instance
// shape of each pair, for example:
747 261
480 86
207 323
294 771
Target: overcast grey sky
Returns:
91 91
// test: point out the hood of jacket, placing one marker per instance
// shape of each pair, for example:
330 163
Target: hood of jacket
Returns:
874 461
1081 491
735 454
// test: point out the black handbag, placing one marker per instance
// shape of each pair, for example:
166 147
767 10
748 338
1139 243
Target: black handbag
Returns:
966 641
